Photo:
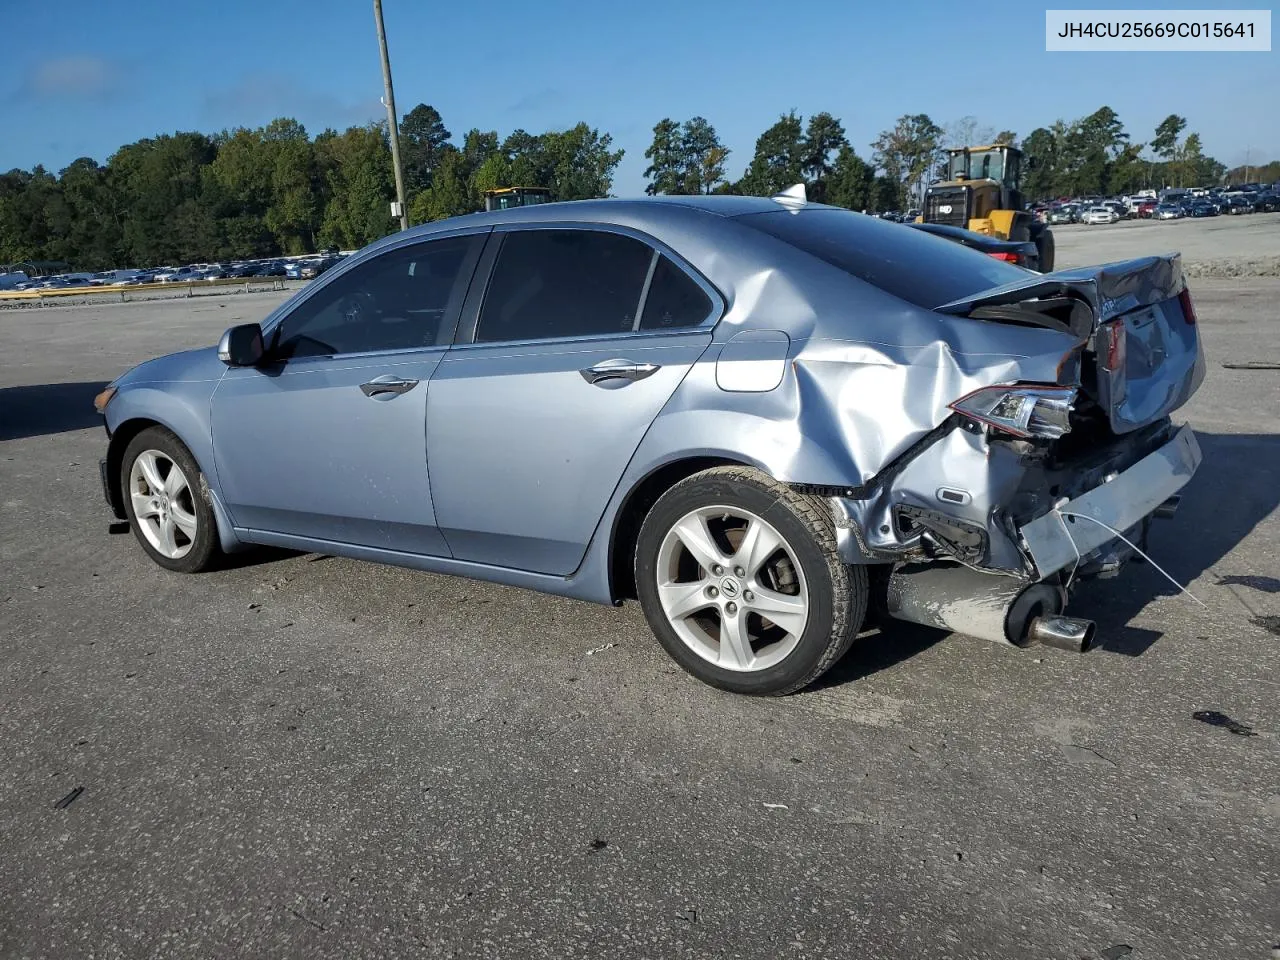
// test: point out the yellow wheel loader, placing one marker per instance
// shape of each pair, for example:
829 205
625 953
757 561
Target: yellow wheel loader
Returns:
981 193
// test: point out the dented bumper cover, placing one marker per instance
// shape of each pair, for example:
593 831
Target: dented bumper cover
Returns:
868 530
1060 538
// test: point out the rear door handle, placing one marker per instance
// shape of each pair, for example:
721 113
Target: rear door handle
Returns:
386 387
608 370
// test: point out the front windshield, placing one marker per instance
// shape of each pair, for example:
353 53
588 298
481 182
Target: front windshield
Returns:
983 165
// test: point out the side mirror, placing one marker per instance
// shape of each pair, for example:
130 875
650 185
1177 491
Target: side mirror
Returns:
241 346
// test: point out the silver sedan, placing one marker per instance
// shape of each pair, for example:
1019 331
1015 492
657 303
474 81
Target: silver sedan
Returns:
756 416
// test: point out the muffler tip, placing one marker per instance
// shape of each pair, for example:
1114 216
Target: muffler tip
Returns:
1064 633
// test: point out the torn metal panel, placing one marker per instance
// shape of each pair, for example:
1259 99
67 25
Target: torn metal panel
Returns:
1055 542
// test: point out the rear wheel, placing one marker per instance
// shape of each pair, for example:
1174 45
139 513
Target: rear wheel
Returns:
740 581
1043 239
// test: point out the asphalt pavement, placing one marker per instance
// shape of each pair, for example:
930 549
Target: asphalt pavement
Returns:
304 756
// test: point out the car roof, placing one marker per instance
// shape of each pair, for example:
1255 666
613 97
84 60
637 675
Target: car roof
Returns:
609 210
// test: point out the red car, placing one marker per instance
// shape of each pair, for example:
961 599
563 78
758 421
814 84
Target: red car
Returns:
1146 209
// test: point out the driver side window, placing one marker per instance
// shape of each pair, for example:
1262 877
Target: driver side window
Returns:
399 300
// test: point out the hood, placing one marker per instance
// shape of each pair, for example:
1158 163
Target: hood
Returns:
189 366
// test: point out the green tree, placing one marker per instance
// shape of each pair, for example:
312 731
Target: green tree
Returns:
449 194
1007 137
778 160
580 162
665 172
908 152
86 217
849 183
1040 164
886 194
495 172
1165 142
423 141
1191 162
293 215
160 186
823 137
356 166
702 156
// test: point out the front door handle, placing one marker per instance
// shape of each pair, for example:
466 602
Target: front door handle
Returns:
386 387
618 370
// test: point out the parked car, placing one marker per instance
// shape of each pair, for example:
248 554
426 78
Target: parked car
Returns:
307 269
1203 209
1168 211
1236 205
1060 215
176 274
730 408
1096 215
1023 253
1146 208
1267 202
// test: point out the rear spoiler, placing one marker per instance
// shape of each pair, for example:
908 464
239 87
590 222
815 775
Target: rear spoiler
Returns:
1109 290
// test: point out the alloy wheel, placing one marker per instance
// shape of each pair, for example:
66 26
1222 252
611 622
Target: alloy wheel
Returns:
163 504
732 589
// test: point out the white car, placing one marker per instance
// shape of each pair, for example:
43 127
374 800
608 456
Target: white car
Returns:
1100 215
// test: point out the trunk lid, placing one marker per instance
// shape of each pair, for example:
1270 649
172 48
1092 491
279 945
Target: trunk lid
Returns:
1140 356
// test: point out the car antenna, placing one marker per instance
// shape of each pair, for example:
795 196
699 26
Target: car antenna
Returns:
793 195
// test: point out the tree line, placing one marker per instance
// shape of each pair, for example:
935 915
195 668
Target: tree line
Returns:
1091 156
243 193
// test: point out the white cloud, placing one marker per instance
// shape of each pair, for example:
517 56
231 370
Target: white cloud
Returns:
74 77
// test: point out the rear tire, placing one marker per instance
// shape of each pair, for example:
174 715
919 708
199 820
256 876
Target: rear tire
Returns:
775 551
166 499
1045 248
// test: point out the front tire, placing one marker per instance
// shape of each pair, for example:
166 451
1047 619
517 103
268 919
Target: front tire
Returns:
166 499
740 581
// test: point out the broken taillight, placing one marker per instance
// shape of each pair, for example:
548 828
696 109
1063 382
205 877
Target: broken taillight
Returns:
1113 355
1023 410
1188 307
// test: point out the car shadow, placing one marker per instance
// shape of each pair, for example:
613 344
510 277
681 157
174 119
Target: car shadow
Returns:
885 643
1234 490
46 408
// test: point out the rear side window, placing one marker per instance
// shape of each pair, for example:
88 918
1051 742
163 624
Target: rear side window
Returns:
674 300
909 264
563 283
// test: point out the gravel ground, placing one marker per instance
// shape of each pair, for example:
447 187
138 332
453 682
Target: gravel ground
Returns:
311 757
1235 246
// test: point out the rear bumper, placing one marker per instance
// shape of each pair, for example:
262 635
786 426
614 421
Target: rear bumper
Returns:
1056 540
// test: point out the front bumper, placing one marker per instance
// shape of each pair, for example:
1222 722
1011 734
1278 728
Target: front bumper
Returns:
1059 539
104 473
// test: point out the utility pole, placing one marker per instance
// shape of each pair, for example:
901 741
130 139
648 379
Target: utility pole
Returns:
389 101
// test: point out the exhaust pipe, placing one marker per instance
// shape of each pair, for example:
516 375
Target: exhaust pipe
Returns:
1063 633
1004 610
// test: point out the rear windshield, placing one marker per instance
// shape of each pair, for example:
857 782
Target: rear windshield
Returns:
912 265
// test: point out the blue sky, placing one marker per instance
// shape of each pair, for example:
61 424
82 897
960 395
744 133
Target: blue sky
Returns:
84 81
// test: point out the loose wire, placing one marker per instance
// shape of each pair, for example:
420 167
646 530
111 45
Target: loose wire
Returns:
1139 550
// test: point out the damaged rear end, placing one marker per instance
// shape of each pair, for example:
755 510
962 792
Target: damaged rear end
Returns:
1027 489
